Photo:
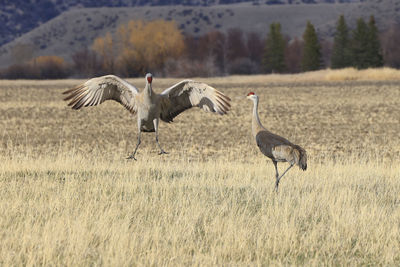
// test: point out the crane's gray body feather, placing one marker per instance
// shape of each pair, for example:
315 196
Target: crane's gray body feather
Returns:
280 149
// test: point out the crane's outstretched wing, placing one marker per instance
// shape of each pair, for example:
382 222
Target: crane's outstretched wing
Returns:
187 94
97 90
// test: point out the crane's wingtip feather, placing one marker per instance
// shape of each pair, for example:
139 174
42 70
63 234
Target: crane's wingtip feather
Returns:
75 93
73 89
225 103
223 97
221 107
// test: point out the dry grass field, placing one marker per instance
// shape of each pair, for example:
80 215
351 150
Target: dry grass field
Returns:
69 197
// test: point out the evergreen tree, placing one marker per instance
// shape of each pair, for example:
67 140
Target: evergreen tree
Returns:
374 47
274 52
341 46
312 50
360 50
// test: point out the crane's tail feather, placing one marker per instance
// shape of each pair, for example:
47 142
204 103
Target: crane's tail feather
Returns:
302 160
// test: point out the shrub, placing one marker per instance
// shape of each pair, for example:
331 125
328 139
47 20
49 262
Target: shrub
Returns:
243 65
191 68
43 67
51 67
20 71
86 63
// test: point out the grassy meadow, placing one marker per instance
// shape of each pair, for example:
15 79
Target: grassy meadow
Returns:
69 197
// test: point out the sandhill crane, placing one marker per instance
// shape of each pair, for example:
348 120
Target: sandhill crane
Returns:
277 148
149 106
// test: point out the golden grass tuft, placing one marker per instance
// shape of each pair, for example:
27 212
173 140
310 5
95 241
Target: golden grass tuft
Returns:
351 74
69 197
329 75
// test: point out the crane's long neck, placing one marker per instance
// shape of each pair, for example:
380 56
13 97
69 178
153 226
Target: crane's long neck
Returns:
148 90
256 124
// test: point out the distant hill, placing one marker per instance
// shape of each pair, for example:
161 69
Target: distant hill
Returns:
21 16
76 28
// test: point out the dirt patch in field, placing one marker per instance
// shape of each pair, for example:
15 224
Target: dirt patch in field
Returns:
328 119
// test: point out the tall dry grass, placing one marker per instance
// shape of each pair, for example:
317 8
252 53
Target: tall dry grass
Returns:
68 196
326 75
351 74
76 210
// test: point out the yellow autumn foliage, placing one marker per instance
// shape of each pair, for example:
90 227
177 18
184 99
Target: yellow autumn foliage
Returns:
149 44
139 47
104 47
45 60
48 67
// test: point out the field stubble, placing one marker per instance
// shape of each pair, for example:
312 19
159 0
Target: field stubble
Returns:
68 196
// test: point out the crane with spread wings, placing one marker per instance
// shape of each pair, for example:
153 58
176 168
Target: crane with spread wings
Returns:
149 106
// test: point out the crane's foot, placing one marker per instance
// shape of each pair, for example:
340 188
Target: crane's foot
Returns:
276 186
131 157
162 152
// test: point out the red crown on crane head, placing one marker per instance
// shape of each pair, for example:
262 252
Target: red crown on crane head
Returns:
251 93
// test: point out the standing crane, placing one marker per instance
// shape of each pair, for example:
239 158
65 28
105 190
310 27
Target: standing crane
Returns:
149 106
275 147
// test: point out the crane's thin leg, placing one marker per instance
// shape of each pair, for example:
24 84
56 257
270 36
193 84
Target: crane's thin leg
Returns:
132 156
276 175
278 179
155 122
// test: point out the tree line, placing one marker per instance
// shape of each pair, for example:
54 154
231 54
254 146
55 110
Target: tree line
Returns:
160 47
360 48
